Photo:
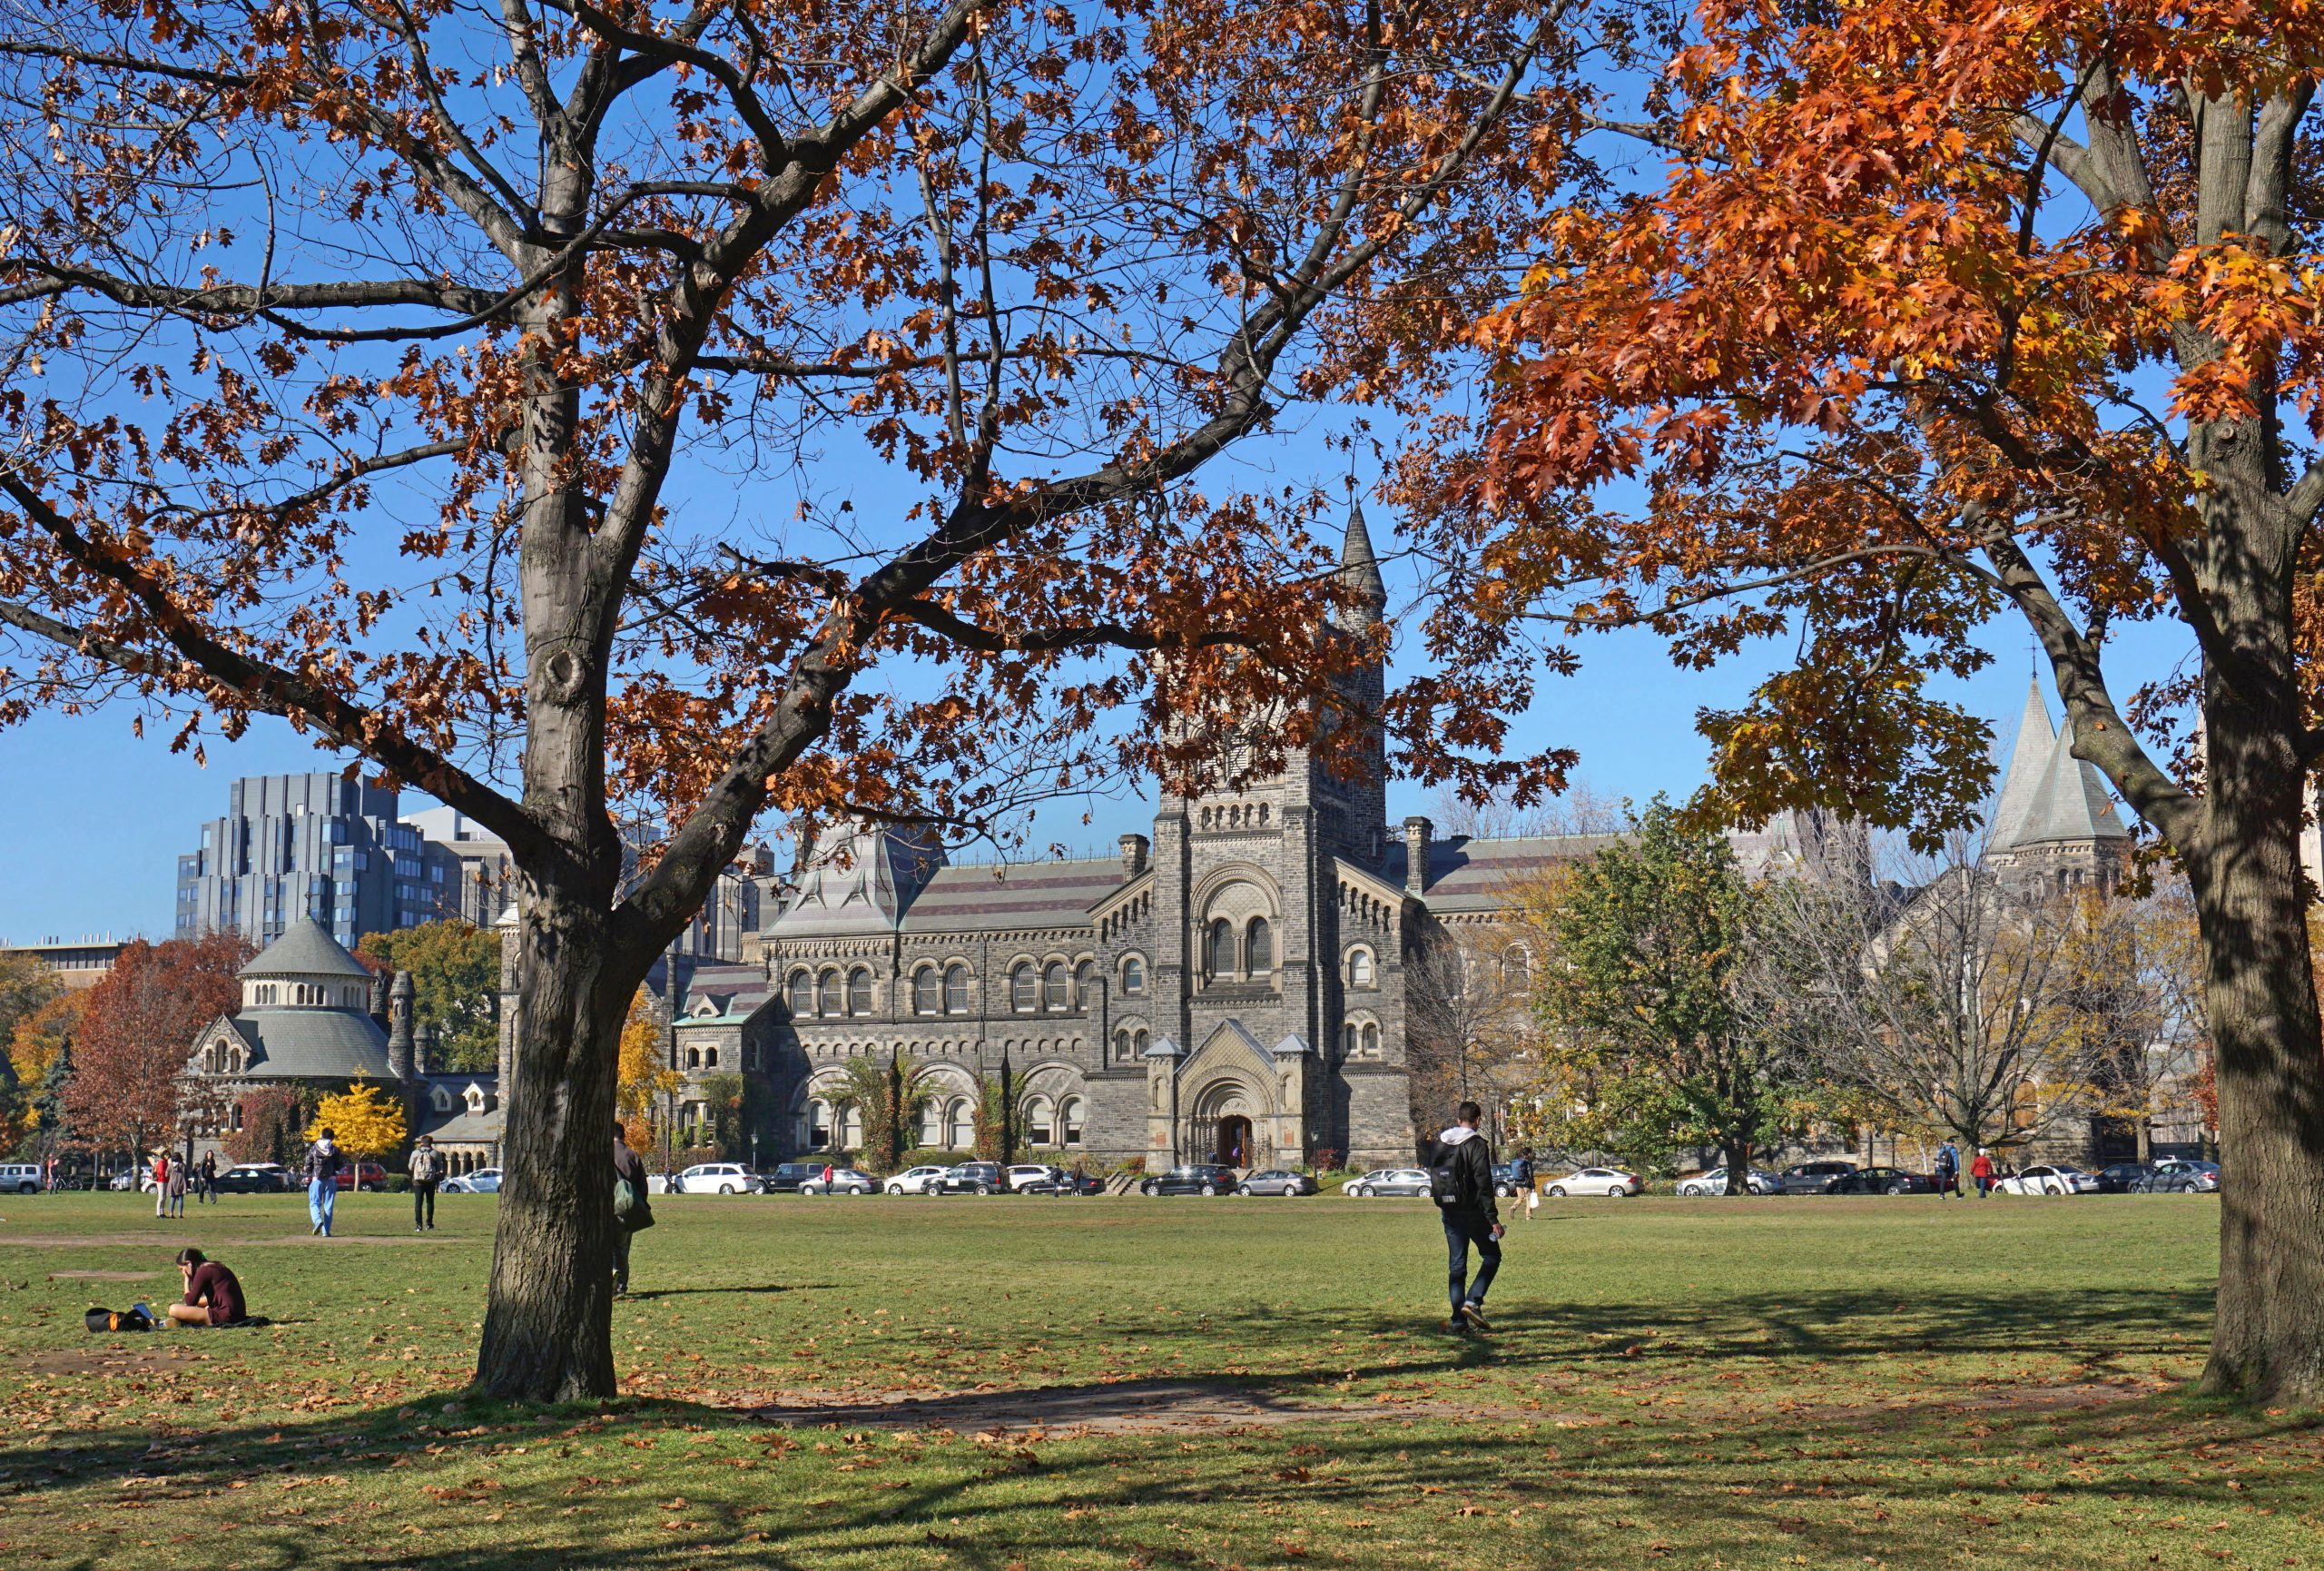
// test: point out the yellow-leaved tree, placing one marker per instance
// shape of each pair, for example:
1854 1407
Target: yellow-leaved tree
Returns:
364 1119
644 1073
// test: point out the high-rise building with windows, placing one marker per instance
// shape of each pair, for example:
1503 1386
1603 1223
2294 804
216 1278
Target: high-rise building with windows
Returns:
319 845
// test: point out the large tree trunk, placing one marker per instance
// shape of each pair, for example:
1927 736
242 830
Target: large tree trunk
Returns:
2268 1341
547 1327
1738 1154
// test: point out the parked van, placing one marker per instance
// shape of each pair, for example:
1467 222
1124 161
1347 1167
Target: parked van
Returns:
21 1177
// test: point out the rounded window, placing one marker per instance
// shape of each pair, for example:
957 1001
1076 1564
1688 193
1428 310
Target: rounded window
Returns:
1054 986
1222 948
1258 948
1069 1118
1039 1128
1024 990
859 991
962 1125
802 996
819 1124
830 995
1360 969
1372 1041
1133 976
694 1058
956 990
927 991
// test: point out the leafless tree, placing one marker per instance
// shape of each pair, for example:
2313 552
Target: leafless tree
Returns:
1468 1019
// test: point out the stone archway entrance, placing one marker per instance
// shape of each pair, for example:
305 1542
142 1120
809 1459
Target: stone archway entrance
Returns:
1226 1125
1231 1141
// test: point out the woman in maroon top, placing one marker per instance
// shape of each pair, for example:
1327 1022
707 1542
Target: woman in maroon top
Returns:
213 1295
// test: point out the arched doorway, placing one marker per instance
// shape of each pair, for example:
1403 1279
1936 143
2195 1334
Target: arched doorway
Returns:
1233 1140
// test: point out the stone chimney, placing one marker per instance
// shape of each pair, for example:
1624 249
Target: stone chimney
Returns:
399 1026
423 1044
379 998
1133 850
1417 831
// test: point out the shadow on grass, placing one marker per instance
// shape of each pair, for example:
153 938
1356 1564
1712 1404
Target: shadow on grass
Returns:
643 1293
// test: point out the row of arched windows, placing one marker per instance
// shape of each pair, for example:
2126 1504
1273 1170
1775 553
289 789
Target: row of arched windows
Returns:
1130 1045
307 992
936 990
946 1123
707 1057
831 994
1246 952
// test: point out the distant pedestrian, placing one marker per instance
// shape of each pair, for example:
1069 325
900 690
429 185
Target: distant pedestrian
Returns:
208 1190
1948 1169
427 1167
631 1214
1460 1165
321 1170
213 1296
1982 1171
160 1183
174 1189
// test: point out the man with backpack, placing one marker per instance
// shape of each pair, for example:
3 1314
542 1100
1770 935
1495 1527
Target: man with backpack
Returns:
427 1168
321 1173
1460 1168
632 1213
1948 1171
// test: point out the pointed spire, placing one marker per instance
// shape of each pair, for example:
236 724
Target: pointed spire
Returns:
2029 760
2071 802
1360 569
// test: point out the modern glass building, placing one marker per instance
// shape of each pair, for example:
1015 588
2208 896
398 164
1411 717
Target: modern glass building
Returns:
319 845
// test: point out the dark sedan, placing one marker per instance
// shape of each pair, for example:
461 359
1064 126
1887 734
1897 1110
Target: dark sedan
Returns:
1812 1178
1194 1178
254 1179
2126 1177
1276 1181
1064 1183
1883 1180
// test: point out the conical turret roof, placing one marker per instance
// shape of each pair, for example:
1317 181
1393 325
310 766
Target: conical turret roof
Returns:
2071 802
305 949
2029 760
1359 566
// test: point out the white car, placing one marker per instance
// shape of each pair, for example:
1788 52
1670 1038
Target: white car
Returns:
1714 1182
915 1181
845 1181
2048 1181
485 1181
719 1178
1609 1181
1025 1174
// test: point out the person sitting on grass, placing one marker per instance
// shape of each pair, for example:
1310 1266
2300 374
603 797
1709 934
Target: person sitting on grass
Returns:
213 1295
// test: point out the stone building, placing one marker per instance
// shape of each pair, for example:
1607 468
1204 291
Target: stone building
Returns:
2055 821
312 1019
1230 988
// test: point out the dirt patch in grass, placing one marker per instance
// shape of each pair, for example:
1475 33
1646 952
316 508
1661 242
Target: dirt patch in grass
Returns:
1128 1407
101 1275
107 1358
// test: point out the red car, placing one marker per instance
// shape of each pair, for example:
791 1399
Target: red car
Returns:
363 1175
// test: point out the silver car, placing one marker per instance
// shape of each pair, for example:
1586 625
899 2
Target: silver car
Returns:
844 1181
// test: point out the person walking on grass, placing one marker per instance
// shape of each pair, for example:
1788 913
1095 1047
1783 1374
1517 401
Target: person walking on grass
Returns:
1982 1171
1948 1169
1461 1180
208 1189
174 1191
427 1168
322 1182
632 1215
160 1183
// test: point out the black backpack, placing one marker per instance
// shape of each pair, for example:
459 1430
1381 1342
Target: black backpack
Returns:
1444 1175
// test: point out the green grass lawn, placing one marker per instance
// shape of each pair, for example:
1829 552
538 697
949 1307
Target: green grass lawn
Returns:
1737 1384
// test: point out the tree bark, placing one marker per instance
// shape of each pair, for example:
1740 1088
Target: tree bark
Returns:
1737 1153
2268 1342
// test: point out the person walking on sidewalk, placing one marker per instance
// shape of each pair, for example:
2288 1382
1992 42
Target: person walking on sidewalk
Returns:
1461 1180
427 1167
322 1182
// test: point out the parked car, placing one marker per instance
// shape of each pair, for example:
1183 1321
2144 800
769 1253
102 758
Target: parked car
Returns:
362 1175
131 1179
22 1178
1021 1177
2045 1180
1388 1181
1883 1180
1504 1180
1812 1178
1065 1184
844 1181
1201 1178
2124 1177
2183 1175
1610 1181
485 1180
971 1178
1276 1181
788 1176
254 1178
721 1178
1714 1182
914 1181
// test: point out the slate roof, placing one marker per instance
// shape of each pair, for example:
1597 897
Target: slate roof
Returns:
1013 894
2070 803
2029 758
313 1043
1469 874
305 949
736 989
858 879
1359 568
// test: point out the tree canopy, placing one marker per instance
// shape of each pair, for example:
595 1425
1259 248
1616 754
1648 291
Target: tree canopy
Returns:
455 986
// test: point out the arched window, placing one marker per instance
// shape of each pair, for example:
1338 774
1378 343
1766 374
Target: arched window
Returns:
1140 1042
1039 1128
1024 990
1133 977
956 990
1121 1046
694 1058
1258 948
851 1128
830 996
710 1059
802 996
1222 948
859 991
932 1124
1372 1041
1516 966
927 991
1069 1119
1055 983
1359 968
960 1124
1347 1042
819 1124
1085 984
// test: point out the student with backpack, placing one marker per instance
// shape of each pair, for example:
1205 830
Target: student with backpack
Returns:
632 1212
1460 1166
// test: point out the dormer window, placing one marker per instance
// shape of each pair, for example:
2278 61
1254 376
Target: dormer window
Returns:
442 1099
476 1099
